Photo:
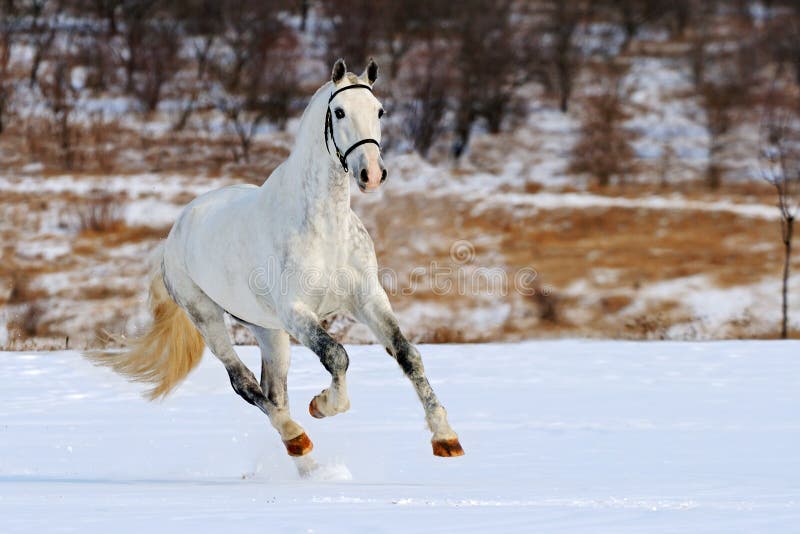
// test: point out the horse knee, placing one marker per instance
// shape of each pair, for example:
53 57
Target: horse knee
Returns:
409 359
334 358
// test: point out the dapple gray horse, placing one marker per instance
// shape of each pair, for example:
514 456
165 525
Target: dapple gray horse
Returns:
296 227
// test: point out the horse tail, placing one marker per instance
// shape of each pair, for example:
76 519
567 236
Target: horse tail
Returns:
165 353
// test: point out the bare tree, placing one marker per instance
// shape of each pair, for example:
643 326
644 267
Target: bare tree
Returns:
269 88
681 12
782 36
251 28
427 74
43 15
158 60
633 14
204 24
6 81
723 77
96 56
59 96
722 103
489 64
6 92
107 9
304 8
272 80
136 15
565 18
256 75
354 27
604 148
780 164
204 21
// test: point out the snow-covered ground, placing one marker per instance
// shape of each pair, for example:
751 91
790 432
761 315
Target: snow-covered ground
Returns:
560 436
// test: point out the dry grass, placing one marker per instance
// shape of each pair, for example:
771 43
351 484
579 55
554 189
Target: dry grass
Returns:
614 252
617 251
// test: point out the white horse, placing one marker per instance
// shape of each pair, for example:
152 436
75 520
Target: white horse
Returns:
273 257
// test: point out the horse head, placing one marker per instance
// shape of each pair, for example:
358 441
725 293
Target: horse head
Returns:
352 125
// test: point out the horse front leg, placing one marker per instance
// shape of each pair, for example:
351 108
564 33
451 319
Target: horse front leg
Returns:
305 327
378 316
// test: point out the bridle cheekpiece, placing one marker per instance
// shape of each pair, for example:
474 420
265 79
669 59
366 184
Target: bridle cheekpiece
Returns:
329 126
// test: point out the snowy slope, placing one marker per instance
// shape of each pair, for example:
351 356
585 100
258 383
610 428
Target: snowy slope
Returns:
561 436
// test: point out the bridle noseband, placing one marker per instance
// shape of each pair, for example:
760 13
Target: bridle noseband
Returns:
329 126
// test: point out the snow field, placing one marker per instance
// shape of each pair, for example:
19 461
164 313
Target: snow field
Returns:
560 436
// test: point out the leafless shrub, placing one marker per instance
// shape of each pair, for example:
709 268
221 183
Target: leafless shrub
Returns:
25 324
604 148
448 334
22 288
548 304
780 164
99 214
36 144
649 326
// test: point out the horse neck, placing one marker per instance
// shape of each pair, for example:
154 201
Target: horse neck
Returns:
312 183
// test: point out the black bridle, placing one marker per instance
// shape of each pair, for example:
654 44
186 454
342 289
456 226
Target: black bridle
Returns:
329 126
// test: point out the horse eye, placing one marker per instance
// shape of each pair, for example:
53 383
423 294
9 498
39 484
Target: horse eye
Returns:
339 113
380 113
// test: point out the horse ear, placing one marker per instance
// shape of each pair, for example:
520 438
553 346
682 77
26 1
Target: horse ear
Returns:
339 69
371 72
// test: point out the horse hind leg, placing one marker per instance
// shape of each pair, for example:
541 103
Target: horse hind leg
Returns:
209 318
275 359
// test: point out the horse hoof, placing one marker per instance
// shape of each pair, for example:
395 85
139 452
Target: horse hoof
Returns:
313 410
447 447
298 446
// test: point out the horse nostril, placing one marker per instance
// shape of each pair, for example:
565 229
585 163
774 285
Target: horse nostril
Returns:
363 175
383 175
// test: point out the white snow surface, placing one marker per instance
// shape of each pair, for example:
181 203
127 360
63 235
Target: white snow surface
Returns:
560 436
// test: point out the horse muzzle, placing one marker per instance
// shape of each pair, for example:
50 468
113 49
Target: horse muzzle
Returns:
370 174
